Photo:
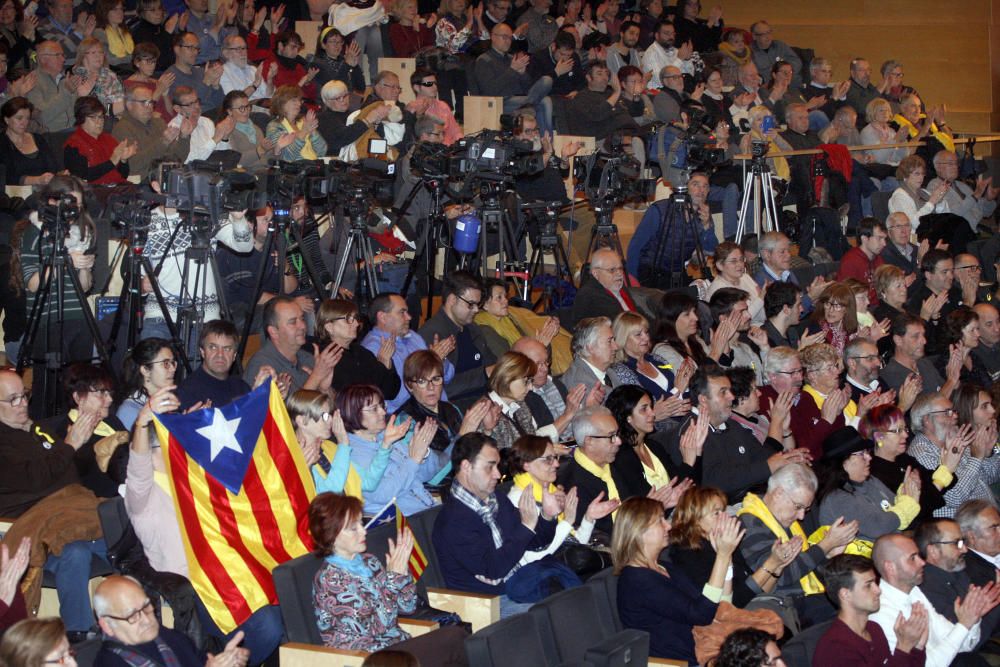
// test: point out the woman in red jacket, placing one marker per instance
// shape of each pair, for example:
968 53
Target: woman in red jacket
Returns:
91 153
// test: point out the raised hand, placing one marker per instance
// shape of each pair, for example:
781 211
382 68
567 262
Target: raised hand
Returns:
311 450
548 331
911 484
386 350
474 416
912 386
443 347
811 339
12 568
781 410
787 551
352 54
841 534
671 406
528 510
24 85
395 430
984 440
600 508
684 374
162 400
82 429
912 632
693 439
955 445
726 534
423 435
572 502
670 494
232 655
552 503
398 559
835 404
338 428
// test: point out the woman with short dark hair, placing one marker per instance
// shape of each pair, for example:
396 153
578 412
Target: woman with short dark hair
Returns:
338 321
36 642
357 600
92 154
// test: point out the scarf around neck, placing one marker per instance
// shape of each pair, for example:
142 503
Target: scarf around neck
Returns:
754 506
945 139
250 130
602 473
487 510
307 152
355 566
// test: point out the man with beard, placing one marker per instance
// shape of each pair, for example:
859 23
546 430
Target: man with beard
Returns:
623 52
946 577
898 562
854 639
861 90
595 113
662 53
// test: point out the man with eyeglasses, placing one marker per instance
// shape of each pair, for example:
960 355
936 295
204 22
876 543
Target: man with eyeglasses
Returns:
386 87
210 29
946 577
971 204
498 73
206 134
766 51
134 636
821 87
966 452
861 90
898 250
980 524
155 139
854 639
604 293
968 274
937 295
663 52
863 363
204 80
55 92
257 83
776 516
38 472
471 356
898 562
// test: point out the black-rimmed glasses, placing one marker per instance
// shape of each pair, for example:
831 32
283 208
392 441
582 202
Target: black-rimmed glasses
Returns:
134 617
17 400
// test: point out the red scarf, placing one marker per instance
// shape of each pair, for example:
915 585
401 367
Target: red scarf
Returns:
97 151
626 298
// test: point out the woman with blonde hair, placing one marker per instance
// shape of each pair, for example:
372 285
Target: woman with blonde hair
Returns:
890 286
823 368
295 138
779 165
878 113
635 364
664 601
92 64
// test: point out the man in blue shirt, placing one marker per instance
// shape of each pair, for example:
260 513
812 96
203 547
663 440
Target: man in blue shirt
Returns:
211 29
390 316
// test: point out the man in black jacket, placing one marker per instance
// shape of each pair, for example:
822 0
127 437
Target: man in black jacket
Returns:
595 113
499 74
980 524
604 293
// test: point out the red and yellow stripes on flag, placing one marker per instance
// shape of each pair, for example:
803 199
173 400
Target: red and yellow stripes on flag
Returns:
418 561
233 542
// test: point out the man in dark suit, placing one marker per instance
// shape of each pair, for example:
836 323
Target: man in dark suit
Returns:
604 293
594 350
979 521
946 577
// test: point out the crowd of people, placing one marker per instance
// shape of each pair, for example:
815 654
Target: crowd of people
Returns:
817 442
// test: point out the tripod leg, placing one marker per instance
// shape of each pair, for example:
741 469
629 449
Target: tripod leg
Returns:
258 289
167 319
744 210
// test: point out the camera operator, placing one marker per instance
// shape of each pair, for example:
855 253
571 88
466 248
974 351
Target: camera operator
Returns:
549 184
679 140
35 242
233 230
646 240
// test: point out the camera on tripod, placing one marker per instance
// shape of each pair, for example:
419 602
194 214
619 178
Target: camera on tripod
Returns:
699 144
488 155
205 188
612 177
318 182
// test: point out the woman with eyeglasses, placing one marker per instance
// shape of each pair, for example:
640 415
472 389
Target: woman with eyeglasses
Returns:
886 426
362 408
112 32
254 148
731 270
423 373
338 321
92 154
148 368
337 63
910 197
824 366
532 464
155 28
511 380
294 138
333 125
847 489
100 460
37 642
144 59
330 461
836 315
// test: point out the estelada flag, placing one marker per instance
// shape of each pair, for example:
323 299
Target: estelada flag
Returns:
242 490
418 561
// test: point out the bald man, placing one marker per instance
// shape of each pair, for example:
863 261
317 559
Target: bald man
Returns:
605 292
34 465
986 355
133 636
898 562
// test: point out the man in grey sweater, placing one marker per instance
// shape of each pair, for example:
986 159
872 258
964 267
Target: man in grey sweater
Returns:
499 74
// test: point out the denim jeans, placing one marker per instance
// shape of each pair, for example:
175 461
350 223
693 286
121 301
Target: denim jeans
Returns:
538 98
508 607
263 631
71 569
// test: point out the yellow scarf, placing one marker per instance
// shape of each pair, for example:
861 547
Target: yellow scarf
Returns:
523 479
602 473
946 140
307 152
120 42
850 410
754 506
521 322
352 487
727 49
656 475
102 429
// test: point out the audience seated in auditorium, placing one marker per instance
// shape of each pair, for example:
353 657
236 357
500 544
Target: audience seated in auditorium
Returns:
91 153
27 157
677 331
635 365
783 309
338 322
256 82
594 350
503 325
605 293
155 140
203 79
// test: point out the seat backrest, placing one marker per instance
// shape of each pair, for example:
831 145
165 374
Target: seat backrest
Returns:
422 525
880 204
799 650
293 581
114 520
515 640
569 623
606 609
610 581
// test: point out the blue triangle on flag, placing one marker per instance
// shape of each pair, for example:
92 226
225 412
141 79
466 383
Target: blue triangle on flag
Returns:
222 439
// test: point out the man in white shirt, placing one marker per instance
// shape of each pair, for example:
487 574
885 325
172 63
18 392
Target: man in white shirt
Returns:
662 53
206 134
238 74
898 562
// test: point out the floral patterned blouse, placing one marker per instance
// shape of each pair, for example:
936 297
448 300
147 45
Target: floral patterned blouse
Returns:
357 612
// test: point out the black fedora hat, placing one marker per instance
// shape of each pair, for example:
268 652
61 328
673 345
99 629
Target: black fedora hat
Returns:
843 442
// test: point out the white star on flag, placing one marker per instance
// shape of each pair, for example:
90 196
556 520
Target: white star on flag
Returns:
221 434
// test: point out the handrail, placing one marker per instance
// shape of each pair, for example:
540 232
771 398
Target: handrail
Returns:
873 147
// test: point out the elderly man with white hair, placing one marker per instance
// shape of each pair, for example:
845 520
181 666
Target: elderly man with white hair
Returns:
898 250
973 205
965 452
772 526
238 74
594 350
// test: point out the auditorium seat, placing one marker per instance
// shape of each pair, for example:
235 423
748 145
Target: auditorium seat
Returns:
798 651
516 640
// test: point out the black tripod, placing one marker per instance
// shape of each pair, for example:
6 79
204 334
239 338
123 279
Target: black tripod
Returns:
358 250
433 234
56 267
678 215
548 242
277 243
604 232
495 219
130 301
